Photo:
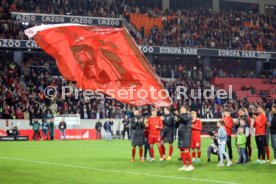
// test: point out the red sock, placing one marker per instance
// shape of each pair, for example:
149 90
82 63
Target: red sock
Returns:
184 158
160 151
267 150
133 152
198 154
189 158
193 154
163 149
171 150
152 152
141 152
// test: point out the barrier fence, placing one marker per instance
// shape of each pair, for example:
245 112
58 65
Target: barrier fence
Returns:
83 130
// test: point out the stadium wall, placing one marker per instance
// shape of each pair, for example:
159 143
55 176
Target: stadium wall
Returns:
23 124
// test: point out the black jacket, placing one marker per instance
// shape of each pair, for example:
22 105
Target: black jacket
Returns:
247 124
108 125
62 126
273 124
137 127
98 126
184 125
168 120
126 124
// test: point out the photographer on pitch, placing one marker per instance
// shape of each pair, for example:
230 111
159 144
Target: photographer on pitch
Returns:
214 147
13 132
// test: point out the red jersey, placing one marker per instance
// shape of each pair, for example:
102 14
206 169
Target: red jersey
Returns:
153 122
260 124
196 128
228 125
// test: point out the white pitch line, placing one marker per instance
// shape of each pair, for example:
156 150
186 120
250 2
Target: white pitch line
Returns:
116 171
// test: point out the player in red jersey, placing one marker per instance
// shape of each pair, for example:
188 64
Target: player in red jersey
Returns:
196 139
228 123
155 125
260 132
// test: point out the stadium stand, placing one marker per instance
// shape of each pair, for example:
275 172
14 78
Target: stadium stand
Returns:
22 93
182 28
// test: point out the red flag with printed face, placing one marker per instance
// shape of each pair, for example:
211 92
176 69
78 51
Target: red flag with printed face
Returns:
102 59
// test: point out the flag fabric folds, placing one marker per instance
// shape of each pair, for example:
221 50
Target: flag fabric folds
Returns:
103 59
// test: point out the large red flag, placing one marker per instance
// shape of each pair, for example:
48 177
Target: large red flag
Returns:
103 59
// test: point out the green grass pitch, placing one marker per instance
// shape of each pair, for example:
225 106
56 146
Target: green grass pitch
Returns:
109 162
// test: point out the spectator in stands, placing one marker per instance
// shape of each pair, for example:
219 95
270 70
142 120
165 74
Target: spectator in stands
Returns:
98 127
48 114
108 129
62 129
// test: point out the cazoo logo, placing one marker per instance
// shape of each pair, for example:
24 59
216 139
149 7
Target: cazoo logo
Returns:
17 43
146 49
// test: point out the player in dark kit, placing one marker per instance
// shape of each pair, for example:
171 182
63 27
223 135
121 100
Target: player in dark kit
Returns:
184 125
167 132
137 126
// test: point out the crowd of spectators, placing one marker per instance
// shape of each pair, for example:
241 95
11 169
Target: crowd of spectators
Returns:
95 8
183 28
179 71
22 85
22 94
209 29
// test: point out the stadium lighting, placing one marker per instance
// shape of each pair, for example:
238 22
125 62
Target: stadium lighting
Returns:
25 23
